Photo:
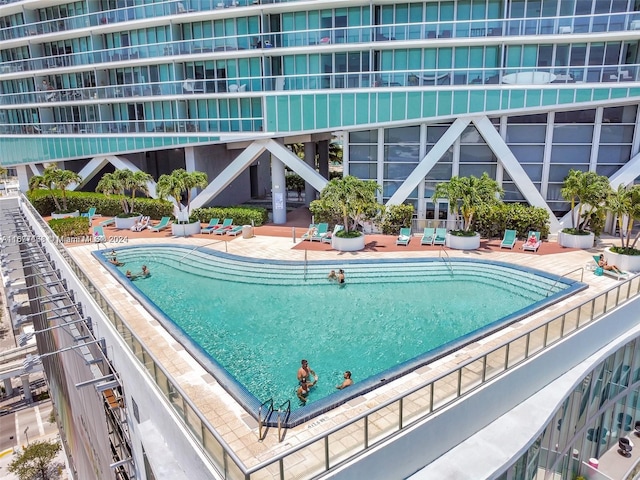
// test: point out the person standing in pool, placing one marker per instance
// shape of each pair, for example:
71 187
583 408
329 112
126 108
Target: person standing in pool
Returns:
341 276
347 381
304 372
303 390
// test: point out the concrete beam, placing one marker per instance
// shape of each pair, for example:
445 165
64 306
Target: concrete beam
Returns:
296 164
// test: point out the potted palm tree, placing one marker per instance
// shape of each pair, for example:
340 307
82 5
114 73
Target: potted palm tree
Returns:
175 185
624 204
348 201
120 182
466 195
588 191
54 178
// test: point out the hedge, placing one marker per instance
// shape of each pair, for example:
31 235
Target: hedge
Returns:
247 215
70 227
492 221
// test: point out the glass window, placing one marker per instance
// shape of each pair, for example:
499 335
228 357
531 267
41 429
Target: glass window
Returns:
359 153
571 154
572 133
398 171
477 170
526 133
528 153
616 134
557 173
402 153
402 135
526 119
618 154
619 114
365 171
440 171
367 136
435 132
577 116
476 154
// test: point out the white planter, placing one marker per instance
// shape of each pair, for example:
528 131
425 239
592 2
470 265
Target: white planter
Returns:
185 229
127 223
348 244
463 243
575 241
627 263
66 215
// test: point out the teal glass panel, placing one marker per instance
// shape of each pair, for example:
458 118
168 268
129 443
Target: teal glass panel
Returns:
283 114
464 10
362 108
415 59
444 103
516 99
308 112
348 109
399 106
513 55
477 97
430 57
550 97
413 105
336 109
461 57
476 57
445 57
618 93
504 101
295 112
530 56
534 98
383 112
584 95
322 114
429 102
634 92
270 109
460 101
566 96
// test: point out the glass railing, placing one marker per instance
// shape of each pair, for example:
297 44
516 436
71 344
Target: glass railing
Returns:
371 427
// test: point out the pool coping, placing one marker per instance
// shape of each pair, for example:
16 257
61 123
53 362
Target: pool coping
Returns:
251 404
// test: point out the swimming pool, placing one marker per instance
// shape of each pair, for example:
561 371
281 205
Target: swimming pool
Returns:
250 322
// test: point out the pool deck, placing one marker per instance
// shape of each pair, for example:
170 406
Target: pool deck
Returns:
239 429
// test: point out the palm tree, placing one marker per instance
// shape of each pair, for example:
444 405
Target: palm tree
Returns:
468 194
586 189
625 201
55 178
349 198
179 182
122 181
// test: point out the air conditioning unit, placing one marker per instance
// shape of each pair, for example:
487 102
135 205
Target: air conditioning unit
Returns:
565 29
635 25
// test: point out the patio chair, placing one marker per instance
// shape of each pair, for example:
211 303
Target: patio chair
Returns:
213 224
98 234
636 428
428 236
234 230
227 224
509 239
327 238
90 214
441 236
405 237
309 233
107 222
164 223
530 244
320 232
625 447
611 273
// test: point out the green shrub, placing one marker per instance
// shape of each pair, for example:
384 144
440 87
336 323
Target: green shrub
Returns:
492 221
575 231
394 217
349 234
625 251
70 227
241 215
463 233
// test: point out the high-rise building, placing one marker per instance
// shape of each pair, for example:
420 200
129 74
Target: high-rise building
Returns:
417 92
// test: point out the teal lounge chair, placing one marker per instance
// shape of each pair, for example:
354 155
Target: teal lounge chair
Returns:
227 224
405 237
90 214
307 235
428 235
164 223
107 222
327 238
321 232
509 239
213 224
441 236
234 230
98 234
532 246
611 273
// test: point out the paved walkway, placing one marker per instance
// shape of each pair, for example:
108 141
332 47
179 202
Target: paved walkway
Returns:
273 242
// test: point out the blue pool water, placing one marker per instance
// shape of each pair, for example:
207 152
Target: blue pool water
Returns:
257 321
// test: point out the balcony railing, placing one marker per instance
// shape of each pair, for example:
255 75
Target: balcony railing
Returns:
362 432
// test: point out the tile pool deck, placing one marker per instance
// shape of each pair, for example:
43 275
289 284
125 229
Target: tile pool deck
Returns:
240 430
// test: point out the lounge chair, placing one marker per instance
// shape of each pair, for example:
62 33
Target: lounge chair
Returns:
141 225
107 222
234 230
227 224
90 214
164 223
509 239
213 224
98 234
309 233
441 236
428 235
610 273
405 237
532 246
327 238
320 232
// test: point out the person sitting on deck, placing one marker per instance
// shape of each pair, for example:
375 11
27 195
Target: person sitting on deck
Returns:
603 263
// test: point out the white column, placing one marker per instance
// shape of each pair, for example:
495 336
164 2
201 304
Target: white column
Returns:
278 191
26 389
309 159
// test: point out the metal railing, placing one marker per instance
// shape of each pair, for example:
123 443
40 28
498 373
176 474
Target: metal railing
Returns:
397 413
447 260
579 269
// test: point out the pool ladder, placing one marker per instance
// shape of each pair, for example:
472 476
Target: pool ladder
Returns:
264 413
447 260
581 269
